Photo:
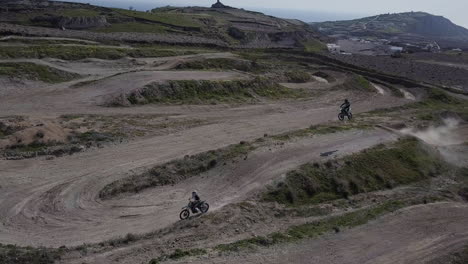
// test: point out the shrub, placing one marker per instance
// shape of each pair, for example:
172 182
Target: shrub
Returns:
34 71
298 76
191 91
12 254
378 168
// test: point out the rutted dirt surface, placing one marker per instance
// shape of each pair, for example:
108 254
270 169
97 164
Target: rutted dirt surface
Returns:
416 234
108 78
43 200
55 202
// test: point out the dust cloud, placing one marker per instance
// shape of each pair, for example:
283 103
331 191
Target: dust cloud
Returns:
444 135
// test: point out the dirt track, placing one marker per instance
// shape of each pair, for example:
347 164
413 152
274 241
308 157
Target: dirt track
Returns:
413 235
112 78
54 202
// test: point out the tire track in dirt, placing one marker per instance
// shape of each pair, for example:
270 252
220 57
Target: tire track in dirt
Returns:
55 202
415 234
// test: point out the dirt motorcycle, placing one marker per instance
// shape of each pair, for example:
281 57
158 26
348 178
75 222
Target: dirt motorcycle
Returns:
343 113
202 207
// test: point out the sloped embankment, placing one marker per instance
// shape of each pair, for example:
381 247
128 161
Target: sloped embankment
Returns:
381 167
32 71
73 53
222 64
204 91
176 171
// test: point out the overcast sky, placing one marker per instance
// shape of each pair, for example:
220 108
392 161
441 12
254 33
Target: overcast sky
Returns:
319 10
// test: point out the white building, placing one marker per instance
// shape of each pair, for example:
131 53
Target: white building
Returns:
395 49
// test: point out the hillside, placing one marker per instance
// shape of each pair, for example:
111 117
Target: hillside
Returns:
111 118
213 26
409 27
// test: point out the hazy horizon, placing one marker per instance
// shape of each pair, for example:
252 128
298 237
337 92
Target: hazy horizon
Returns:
314 11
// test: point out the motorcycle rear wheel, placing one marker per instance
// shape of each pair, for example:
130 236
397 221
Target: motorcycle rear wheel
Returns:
204 207
184 214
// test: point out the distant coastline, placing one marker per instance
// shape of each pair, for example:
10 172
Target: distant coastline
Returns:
306 16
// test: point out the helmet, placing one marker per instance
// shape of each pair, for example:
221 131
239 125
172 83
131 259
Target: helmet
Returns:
194 192
346 100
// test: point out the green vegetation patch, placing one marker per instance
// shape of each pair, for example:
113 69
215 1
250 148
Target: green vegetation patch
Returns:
132 27
177 20
297 76
176 171
314 46
357 83
314 229
32 147
45 41
436 102
321 130
192 91
12 254
222 64
381 167
34 71
437 98
90 51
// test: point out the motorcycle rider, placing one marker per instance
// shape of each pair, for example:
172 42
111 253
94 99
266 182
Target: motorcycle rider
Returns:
346 106
195 202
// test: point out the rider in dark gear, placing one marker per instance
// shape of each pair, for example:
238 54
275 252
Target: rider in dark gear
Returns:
346 106
195 202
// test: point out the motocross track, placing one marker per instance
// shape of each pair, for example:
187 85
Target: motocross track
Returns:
417 234
56 202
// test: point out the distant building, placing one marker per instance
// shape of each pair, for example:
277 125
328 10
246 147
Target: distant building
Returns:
218 4
333 48
394 49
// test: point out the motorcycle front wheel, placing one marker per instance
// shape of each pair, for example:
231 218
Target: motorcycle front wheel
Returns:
204 207
341 116
184 214
350 116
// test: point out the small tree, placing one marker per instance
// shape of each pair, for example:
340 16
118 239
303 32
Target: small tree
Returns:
131 8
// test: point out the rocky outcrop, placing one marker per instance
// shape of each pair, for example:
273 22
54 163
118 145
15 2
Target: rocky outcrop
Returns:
82 22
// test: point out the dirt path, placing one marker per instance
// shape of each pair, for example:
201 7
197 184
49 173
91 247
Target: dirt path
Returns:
113 78
46 38
413 235
55 202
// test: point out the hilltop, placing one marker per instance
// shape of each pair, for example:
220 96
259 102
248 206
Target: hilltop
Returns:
225 27
410 27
